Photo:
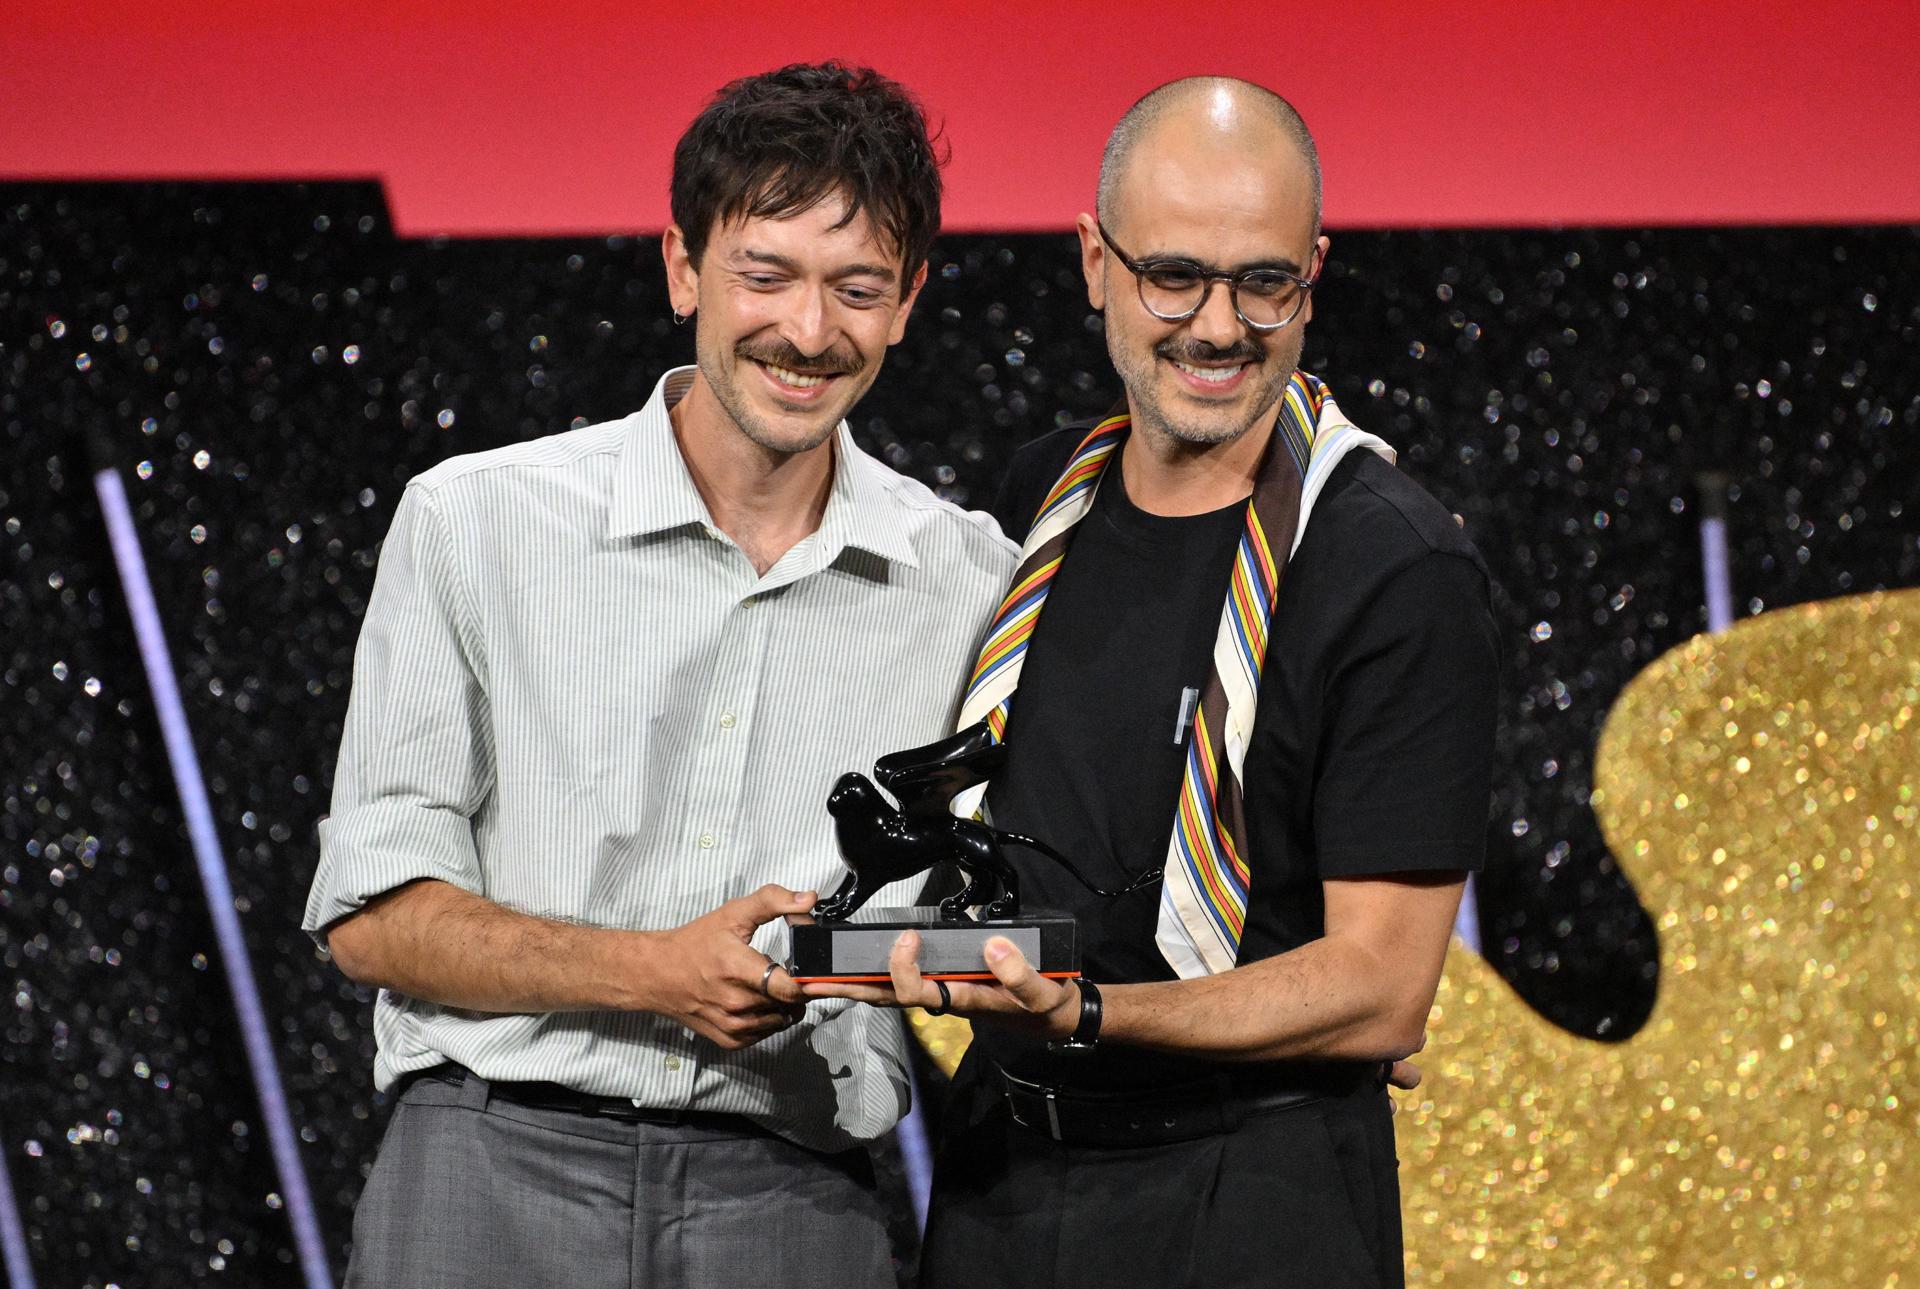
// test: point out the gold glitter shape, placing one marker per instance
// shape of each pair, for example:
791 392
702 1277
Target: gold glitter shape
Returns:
1763 1128
945 1038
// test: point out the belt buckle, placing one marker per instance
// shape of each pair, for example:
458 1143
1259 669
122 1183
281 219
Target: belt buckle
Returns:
1048 1093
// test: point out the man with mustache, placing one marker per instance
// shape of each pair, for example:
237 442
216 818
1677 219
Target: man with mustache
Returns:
1298 740
600 697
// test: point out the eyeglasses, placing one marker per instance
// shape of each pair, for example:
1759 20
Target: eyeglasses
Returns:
1175 290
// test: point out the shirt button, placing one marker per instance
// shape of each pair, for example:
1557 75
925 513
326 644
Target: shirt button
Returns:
672 1062
727 720
706 841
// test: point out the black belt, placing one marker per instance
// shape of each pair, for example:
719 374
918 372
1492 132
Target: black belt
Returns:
1182 1112
537 1095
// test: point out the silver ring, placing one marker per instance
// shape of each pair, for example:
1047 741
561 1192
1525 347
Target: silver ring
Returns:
766 977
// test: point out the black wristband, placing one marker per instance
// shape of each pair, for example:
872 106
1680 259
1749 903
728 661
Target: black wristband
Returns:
1086 1035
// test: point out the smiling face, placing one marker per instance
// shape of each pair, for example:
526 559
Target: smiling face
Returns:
1227 199
792 318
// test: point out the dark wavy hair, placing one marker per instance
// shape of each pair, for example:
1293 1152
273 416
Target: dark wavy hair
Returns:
772 145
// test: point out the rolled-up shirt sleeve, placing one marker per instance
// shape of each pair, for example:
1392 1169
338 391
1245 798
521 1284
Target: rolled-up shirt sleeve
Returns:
416 759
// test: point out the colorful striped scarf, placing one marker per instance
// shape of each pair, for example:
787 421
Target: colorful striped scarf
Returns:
1203 900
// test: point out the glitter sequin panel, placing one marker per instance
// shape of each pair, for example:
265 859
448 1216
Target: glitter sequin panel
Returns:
267 366
1761 1128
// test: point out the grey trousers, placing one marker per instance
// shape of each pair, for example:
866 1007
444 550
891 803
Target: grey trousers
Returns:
470 1192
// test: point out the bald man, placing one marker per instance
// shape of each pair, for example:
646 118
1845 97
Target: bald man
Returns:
1263 670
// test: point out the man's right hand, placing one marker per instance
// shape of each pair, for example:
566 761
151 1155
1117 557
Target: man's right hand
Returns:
707 975
437 942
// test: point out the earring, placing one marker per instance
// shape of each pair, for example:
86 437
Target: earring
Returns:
679 317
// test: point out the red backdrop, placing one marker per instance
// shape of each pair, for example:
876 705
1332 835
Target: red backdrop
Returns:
485 117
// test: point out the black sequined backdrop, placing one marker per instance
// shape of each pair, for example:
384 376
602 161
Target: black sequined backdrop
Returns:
268 366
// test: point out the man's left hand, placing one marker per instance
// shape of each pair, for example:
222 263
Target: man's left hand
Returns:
1019 997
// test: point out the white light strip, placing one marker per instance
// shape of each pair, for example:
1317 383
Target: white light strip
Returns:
213 875
1713 560
13 1236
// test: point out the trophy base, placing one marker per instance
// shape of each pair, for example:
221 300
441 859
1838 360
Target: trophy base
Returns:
855 950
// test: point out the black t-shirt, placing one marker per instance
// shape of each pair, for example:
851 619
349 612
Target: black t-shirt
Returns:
1372 743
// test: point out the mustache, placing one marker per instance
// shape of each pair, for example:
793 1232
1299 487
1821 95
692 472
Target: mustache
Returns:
1187 349
782 353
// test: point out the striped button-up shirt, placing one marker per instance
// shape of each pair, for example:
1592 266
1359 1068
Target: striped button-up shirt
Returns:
573 695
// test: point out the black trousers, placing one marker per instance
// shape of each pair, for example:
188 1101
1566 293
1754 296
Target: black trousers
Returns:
1303 1198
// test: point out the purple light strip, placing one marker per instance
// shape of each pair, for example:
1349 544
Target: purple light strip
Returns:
916 1155
1719 575
1466 922
13 1236
213 875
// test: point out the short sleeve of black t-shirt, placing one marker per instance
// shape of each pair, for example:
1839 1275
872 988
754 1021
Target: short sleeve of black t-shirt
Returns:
1372 743
1395 790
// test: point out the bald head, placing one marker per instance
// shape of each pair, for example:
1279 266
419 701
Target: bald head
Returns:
1216 112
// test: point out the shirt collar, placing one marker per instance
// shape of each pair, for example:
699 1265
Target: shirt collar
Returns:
653 491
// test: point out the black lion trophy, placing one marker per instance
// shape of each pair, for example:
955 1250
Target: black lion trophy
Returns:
883 843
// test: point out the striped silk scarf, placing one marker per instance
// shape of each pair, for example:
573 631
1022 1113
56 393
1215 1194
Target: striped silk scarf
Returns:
1203 900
